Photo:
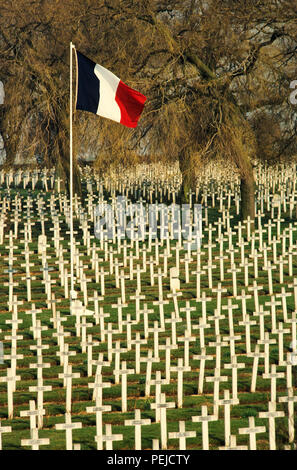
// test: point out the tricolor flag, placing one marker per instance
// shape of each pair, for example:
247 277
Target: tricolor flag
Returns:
101 92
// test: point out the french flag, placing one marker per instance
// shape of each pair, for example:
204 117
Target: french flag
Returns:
99 91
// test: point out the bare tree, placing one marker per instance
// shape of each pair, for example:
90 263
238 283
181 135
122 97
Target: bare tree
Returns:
216 75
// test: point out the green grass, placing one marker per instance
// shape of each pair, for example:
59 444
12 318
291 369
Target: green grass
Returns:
250 404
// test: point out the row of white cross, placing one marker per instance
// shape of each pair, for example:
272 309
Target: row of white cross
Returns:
191 268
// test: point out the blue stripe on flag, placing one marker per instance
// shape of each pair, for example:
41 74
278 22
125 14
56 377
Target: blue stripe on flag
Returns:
88 93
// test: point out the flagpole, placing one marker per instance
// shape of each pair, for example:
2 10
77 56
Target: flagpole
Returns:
72 292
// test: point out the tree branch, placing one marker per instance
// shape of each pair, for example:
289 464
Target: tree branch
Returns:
250 62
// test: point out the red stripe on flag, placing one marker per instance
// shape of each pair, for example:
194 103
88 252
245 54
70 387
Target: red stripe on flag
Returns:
131 104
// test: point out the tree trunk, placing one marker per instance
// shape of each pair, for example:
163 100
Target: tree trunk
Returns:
247 189
185 188
60 174
247 185
243 145
188 177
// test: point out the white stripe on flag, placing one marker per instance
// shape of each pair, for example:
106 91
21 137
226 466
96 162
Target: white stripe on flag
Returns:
107 106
